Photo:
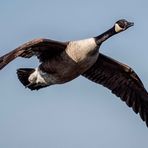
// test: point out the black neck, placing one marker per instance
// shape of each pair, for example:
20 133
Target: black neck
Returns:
104 36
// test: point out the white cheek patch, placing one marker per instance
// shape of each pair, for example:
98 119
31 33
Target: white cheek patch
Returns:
118 28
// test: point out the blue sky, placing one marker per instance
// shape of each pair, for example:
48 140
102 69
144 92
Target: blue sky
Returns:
80 113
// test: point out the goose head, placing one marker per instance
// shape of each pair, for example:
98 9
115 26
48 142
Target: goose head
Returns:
119 26
122 25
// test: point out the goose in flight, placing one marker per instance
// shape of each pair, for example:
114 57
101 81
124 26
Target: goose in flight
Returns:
61 62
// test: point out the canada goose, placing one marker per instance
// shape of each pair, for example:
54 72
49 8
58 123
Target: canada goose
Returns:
63 61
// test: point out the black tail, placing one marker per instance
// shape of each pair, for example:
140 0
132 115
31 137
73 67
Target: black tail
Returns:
23 75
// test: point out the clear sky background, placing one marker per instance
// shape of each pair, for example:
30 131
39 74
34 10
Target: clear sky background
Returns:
78 114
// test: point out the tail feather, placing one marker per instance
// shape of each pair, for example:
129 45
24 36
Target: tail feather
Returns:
23 75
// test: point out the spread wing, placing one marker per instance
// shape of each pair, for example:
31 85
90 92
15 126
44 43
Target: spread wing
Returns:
122 81
42 48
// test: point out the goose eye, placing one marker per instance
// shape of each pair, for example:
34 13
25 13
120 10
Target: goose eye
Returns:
121 24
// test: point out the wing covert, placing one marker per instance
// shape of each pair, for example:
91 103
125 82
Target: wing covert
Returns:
42 48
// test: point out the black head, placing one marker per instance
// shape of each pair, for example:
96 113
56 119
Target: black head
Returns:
119 26
122 25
